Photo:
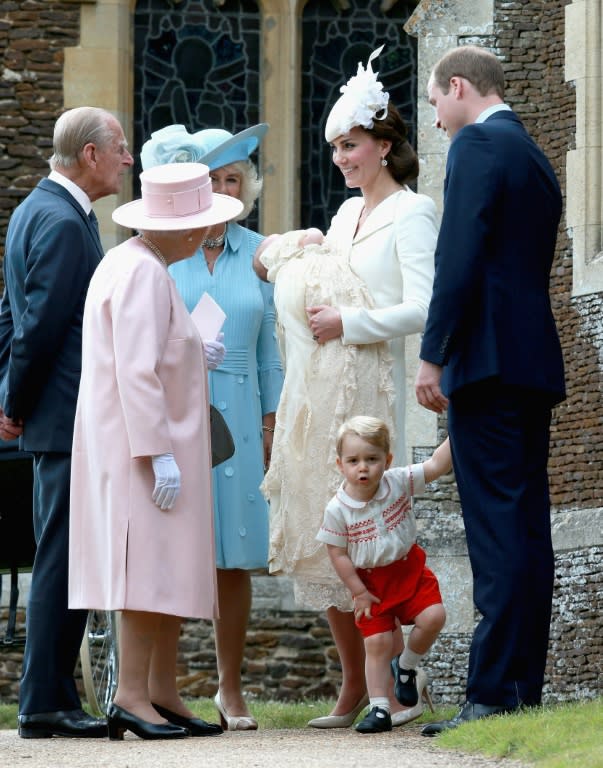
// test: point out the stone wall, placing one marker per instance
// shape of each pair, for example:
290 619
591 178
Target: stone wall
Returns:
290 655
33 34
575 667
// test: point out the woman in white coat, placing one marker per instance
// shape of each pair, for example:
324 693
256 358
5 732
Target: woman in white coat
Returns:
141 525
387 235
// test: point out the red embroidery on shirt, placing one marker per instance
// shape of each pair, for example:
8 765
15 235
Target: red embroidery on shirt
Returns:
396 513
366 530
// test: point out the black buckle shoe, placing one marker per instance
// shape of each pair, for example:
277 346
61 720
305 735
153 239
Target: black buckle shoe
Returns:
405 685
378 720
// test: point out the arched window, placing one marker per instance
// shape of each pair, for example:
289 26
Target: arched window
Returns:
334 40
235 63
195 64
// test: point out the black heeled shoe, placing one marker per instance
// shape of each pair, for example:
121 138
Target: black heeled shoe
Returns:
194 725
119 721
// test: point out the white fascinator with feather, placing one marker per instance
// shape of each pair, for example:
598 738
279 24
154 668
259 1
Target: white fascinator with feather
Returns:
363 101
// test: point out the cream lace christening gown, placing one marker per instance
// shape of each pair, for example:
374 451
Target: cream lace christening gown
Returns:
324 385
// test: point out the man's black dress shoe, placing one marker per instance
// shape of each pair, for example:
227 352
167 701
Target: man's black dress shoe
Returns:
71 723
120 720
466 714
194 725
405 685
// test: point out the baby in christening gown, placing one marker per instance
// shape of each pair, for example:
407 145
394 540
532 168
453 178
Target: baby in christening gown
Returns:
325 384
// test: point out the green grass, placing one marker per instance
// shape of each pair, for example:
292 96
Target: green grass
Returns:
552 737
8 716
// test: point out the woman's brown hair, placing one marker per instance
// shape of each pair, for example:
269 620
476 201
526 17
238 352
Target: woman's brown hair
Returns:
402 160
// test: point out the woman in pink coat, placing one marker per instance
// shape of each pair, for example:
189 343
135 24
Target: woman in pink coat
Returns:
141 526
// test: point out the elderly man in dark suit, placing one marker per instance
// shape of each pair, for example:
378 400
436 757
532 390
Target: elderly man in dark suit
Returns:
491 355
52 249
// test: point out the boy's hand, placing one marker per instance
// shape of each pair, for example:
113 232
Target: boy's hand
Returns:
362 604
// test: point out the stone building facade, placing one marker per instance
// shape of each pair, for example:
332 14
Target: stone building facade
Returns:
56 55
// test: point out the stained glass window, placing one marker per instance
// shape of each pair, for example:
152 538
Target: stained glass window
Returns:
334 41
196 64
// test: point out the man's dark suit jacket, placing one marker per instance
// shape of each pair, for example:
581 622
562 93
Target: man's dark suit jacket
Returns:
52 250
47 268
490 315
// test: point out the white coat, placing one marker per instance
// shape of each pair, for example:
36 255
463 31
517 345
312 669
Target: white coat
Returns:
143 392
393 255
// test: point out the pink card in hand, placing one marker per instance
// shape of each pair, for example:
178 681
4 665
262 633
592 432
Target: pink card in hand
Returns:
208 317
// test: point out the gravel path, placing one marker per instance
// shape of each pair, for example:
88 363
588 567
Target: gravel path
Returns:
299 748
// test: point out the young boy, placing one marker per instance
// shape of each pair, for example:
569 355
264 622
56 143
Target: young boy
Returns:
370 533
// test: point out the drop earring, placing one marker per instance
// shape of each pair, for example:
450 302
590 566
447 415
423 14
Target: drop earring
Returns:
383 162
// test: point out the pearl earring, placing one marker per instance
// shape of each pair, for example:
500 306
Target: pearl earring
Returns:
383 162
190 238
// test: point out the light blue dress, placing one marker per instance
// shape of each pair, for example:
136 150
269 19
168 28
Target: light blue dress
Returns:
246 386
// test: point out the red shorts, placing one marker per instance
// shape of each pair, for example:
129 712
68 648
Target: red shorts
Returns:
405 587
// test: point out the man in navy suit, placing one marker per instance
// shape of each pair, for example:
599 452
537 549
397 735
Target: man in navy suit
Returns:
52 249
491 356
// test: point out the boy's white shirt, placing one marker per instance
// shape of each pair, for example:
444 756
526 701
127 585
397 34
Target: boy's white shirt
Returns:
379 531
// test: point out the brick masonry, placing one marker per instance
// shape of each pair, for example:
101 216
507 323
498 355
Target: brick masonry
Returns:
33 35
289 653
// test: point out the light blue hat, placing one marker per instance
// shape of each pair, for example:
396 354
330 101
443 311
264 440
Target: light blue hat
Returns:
214 147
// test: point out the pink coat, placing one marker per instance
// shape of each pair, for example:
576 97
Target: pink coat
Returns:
143 392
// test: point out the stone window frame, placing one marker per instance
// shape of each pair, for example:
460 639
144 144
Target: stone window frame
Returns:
584 172
106 45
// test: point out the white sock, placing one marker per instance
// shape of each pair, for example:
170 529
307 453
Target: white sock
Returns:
409 659
379 701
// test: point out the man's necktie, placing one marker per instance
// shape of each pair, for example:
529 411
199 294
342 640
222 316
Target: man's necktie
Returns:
94 221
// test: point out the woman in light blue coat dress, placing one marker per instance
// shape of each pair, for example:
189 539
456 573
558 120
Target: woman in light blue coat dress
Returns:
245 387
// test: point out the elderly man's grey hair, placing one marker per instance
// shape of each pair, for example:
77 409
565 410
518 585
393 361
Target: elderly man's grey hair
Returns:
76 128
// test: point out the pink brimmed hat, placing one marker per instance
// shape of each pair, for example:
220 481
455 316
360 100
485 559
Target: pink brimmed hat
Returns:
177 196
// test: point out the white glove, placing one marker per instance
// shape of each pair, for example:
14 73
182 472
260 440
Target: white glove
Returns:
167 480
215 352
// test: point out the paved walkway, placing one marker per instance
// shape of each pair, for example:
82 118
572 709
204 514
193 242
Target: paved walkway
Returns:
300 748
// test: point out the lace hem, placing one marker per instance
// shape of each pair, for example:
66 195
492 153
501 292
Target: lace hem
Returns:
318 596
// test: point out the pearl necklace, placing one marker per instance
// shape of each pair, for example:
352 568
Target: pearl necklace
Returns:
214 242
154 249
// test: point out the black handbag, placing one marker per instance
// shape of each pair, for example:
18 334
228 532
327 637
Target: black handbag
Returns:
222 444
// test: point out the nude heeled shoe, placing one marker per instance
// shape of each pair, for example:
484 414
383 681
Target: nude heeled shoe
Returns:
340 721
412 713
234 722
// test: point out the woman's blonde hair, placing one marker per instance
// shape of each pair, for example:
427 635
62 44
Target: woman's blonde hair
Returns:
374 431
251 186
